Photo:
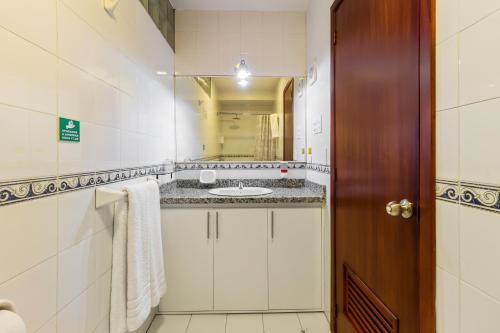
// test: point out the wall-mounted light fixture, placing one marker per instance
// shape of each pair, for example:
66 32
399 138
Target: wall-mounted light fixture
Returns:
242 73
110 6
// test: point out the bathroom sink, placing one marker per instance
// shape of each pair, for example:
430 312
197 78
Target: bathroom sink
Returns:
240 191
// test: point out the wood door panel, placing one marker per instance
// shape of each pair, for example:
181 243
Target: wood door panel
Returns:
376 151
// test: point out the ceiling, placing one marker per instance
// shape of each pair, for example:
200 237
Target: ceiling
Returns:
256 5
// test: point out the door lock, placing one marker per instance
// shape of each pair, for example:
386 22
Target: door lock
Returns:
403 208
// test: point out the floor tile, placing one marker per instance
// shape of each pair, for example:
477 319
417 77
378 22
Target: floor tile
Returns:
207 324
281 323
170 324
244 323
314 322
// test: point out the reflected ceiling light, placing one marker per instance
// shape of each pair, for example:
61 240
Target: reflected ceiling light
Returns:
243 83
161 73
242 71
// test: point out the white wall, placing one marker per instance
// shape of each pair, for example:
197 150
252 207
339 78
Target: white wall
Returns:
68 58
318 109
468 161
212 42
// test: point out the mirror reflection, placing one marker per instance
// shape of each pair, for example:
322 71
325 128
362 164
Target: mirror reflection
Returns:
221 119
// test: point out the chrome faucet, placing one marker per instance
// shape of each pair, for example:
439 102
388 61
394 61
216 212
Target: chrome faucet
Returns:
240 185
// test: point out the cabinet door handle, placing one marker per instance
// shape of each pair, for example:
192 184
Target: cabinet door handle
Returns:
272 225
216 225
208 225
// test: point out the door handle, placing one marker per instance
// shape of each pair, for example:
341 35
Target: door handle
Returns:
272 224
403 208
208 225
216 225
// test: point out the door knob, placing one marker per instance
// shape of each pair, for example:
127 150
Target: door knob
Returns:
403 208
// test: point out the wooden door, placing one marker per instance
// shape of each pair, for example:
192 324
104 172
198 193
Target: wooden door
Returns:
188 240
240 268
288 122
382 130
295 259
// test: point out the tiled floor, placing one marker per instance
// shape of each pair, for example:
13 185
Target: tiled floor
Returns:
241 323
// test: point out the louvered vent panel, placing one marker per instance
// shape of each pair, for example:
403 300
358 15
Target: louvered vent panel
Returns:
366 312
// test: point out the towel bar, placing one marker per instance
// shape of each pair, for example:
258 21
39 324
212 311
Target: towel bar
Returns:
106 196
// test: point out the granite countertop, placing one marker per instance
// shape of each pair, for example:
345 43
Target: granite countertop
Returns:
286 193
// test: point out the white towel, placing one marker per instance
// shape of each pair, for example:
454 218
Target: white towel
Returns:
138 280
275 126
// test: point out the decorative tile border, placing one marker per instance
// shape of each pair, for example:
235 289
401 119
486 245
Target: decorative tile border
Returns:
322 168
481 196
22 190
198 165
28 189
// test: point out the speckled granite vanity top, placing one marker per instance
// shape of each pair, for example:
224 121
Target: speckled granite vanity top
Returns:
286 193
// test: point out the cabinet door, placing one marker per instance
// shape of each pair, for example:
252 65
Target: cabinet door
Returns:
188 254
295 259
240 276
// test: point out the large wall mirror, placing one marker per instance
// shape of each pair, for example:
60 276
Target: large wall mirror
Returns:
218 119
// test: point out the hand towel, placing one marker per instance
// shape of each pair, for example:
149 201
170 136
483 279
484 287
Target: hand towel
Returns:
118 315
275 126
138 280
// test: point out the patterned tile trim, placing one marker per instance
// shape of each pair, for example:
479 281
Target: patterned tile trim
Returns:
323 168
28 189
235 165
481 196
22 190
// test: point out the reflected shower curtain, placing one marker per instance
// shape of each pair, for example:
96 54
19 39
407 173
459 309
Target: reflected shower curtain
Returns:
265 145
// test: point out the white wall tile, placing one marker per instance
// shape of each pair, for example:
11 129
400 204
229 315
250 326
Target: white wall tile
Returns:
447 144
480 249
86 98
38 24
49 327
447 74
447 23
473 11
78 157
478 312
76 217
34 294
207 21
28 74
222 38
82 46
447 236
29 139
230 22
28 230
186 20
447 302
81 265
479 155
479 54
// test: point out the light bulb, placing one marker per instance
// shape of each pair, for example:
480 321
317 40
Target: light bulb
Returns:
242 71
243 83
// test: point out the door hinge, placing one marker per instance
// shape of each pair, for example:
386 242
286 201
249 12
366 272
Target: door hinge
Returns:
335 38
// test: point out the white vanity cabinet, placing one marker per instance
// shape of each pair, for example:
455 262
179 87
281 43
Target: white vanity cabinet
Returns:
242 260
189 262
295 259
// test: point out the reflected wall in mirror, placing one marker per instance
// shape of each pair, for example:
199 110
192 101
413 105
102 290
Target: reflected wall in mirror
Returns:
219 120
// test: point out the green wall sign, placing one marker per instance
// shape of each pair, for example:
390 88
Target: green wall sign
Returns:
69 130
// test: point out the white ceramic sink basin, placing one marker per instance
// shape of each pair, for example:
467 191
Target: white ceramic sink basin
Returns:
240 192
